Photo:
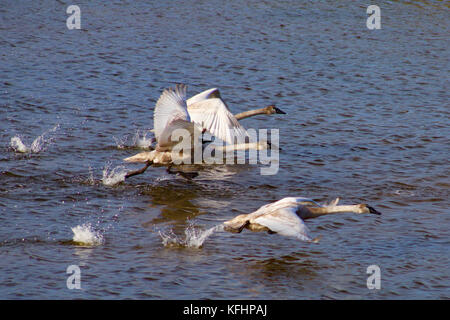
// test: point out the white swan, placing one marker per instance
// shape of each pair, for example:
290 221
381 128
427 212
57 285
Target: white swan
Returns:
286 217
205 111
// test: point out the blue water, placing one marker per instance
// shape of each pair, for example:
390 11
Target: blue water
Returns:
367 121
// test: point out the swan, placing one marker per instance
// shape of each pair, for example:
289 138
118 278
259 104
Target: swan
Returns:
205 111
286 216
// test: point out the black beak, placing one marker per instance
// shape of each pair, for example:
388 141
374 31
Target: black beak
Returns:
373 211
279 111
270 146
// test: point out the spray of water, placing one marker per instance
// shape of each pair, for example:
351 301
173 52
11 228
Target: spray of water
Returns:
85 235
18 146
114 176
91 179
120 142
39 144
138 141
142 142
194 237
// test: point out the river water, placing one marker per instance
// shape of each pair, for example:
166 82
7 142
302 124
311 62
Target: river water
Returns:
367 121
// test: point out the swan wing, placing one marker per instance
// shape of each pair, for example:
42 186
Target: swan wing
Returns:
302 201
285 203
285 222
207 94
213 115
170 107
165 138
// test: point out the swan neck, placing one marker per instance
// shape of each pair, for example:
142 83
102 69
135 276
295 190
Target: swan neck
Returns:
250 113
320 211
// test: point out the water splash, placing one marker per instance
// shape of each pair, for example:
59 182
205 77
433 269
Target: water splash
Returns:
91 179
114 176
194 237
143 142
39 144
120 142
18 146
85 235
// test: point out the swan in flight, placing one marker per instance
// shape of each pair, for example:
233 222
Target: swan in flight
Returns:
205 111
286 216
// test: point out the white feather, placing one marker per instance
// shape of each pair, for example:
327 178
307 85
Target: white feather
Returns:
166 140
285 222
280 217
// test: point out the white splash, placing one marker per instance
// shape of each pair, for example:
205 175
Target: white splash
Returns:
138 141
18 146
114 176
194 238
39 144
85 235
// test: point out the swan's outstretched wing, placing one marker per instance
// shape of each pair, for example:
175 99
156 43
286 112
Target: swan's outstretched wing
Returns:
207 94
285 203
213 115
170 108
285 222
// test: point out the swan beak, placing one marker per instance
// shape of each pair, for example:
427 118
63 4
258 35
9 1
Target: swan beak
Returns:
373 211
279 111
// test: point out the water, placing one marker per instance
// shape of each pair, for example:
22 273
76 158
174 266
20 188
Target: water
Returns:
367 121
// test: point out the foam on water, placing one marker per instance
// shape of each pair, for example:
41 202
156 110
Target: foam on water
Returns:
194 238
114 176
85 235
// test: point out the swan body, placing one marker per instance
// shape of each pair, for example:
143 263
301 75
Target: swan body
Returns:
286 217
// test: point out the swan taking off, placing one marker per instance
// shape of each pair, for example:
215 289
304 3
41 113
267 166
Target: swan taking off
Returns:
286 217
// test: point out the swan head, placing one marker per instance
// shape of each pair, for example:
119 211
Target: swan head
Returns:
364 208
272 110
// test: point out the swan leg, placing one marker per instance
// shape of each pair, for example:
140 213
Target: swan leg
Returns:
139 171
